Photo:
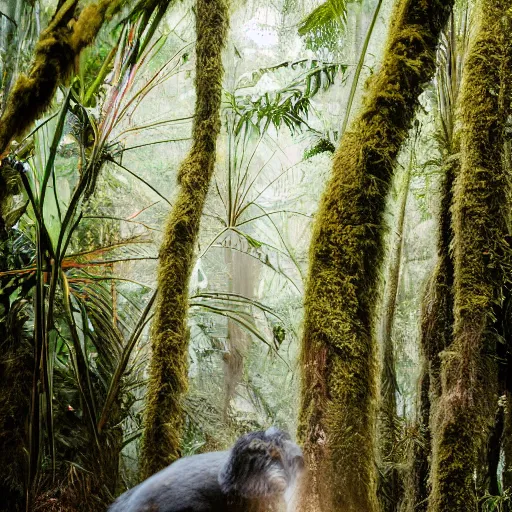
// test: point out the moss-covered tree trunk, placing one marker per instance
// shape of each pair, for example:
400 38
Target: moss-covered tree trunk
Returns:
436 335
437 304
169 342
337 418
54 56
469 375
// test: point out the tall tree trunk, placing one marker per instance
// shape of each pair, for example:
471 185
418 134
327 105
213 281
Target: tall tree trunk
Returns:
337 417
169 342
436 336
437 306
390 484
469 375
241 270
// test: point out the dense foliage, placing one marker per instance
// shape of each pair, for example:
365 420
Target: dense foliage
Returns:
300 220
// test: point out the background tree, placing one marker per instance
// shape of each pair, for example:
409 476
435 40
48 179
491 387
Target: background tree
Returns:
391 485
169 368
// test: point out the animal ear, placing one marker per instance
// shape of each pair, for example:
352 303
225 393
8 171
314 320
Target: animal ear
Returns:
265 449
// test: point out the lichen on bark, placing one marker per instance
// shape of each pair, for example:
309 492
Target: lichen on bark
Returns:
337 419
169 341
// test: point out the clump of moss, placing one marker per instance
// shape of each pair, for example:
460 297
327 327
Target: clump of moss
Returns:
337 420
467 405
10 184
169 341
55 53
322 146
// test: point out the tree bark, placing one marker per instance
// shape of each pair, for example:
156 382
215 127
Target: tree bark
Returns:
169 342
437 305
337 417
241 271
468 402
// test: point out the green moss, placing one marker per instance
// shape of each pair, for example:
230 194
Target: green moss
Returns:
337 420
169 341
454 485
466 408
322 146
54 57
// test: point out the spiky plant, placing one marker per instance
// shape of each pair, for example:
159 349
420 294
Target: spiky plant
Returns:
81 342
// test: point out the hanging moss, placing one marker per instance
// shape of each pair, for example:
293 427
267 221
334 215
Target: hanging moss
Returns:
55 53
337 419
169 342
469 377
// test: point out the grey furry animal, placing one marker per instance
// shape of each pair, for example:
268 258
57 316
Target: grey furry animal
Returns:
260 473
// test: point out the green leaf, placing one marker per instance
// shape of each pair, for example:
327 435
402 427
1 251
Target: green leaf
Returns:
325 25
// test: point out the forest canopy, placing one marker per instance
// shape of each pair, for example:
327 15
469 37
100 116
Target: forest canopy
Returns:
219 216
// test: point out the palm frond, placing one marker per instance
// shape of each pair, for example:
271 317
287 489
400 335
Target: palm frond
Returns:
325 25
288 106
327 13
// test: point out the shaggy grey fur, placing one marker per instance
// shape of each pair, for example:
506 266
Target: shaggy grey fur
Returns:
258 474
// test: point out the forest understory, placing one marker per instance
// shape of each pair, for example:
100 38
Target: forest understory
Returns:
218 217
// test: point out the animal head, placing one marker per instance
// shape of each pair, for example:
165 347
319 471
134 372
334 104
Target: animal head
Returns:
262 464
